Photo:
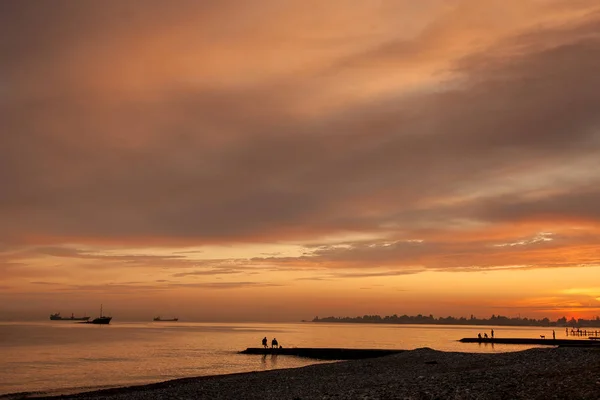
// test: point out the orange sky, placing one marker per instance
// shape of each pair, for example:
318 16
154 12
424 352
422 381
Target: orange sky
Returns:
269 160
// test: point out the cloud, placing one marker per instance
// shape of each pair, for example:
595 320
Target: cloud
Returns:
221 271
296 178
419 135
313 278
138 287
374 274
227 285
90 257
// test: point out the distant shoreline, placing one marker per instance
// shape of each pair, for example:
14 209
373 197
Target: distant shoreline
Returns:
446 321
420 373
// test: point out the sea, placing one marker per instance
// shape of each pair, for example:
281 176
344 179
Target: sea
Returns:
62 357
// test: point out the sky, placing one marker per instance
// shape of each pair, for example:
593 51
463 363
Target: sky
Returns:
280 160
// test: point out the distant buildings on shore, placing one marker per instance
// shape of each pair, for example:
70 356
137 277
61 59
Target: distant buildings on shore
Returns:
497 320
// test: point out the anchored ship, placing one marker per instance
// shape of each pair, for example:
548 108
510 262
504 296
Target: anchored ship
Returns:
159 319
58 317
101 320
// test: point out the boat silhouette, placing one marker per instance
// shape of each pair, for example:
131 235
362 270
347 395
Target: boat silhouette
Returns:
101 320
159 319
58 317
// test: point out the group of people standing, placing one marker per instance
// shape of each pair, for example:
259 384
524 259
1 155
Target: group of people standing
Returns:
485 335
274 343
581 332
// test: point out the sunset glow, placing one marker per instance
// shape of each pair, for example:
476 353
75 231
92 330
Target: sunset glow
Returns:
278 160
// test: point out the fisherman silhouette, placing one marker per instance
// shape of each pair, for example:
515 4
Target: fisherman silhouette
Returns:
264 342
274 343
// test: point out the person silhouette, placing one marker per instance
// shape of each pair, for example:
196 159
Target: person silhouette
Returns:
492 333
553 334
264 342
274 343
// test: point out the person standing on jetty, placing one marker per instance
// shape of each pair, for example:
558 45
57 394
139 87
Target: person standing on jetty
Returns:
274 343
492 333
553 335
264 342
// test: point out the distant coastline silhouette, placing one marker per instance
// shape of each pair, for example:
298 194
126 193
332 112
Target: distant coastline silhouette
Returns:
497 320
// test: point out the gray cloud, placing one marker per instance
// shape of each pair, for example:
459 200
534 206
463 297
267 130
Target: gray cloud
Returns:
108 260
576 204
220 271
210 164
538 107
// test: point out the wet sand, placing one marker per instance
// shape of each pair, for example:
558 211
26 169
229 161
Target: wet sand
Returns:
541 373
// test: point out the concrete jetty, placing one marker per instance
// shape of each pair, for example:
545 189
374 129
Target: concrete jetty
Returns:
355 354
540 341
323 353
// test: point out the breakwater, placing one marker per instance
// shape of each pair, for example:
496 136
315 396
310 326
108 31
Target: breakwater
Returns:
323 353
534 341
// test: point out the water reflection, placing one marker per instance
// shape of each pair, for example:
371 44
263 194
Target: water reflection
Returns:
37 356
268 361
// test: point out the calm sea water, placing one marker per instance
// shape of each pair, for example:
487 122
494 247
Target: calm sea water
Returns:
63 357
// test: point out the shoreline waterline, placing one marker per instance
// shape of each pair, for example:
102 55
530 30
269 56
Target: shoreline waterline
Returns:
54 357
532 373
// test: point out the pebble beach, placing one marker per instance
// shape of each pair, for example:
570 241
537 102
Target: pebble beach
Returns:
539 373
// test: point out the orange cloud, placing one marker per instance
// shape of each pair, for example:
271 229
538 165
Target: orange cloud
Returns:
301 152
